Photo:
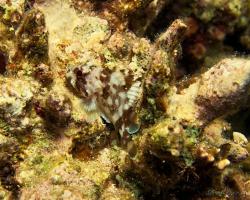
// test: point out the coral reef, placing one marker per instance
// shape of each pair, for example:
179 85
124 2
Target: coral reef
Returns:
128 99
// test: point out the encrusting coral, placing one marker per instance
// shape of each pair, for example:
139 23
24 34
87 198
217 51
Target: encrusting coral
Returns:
93 107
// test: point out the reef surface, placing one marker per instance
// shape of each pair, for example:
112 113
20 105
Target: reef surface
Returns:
124 99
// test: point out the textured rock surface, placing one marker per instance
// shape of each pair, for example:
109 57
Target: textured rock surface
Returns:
124 99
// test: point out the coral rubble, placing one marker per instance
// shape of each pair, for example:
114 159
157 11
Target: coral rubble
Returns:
128 99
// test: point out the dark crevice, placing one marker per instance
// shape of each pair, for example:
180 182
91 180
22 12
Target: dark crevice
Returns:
28 4
109 125
161 23
233 40
3 62
240 121
8 181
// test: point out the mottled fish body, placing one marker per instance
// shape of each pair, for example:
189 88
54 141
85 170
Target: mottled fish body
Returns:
113 94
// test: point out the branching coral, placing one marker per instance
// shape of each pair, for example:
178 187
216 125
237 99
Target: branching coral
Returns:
90 108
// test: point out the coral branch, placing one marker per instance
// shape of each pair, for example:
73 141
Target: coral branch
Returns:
219 91
224 88
172 36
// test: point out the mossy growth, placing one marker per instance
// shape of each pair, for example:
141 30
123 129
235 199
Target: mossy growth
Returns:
170 136
32 37
152 114
190 139
192 134
4 127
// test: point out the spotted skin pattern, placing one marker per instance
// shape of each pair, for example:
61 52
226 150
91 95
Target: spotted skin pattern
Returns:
112 93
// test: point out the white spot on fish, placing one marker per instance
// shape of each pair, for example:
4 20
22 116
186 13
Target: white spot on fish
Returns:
109 93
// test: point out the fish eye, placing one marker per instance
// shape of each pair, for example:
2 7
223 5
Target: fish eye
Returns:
133 128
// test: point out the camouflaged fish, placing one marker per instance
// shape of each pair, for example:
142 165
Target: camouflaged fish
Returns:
114 94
